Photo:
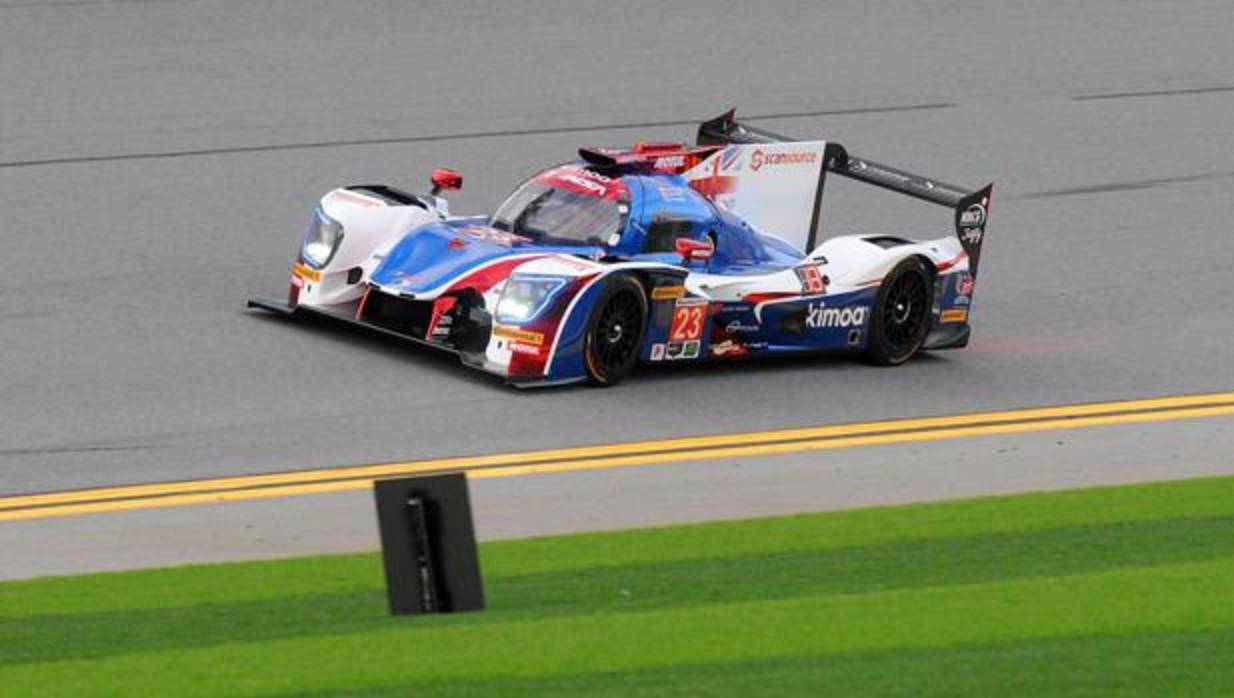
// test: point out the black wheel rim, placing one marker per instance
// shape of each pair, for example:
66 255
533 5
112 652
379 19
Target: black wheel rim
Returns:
615 336
904 313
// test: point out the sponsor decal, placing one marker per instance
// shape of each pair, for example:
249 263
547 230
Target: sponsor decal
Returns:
584 181
456 244
499 237
973 216
682 350
520 348
518 335
759 158
443 319
583 173
954 315
669 162
657 352
735 327
961 300
728 348
964 284
676 162
303 271
813 281
668 293
972 223
689 316
671 193
819 316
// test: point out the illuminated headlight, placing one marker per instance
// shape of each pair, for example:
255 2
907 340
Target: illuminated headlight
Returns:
321 240
525 297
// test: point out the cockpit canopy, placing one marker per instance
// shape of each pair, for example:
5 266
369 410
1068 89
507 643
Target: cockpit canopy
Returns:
566 205
632 215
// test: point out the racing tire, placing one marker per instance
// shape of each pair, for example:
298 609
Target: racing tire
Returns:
615 331
902 313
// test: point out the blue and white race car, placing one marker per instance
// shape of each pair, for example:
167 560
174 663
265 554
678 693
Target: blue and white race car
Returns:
658 252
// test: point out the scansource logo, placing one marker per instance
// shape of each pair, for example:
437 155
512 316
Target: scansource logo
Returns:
798 157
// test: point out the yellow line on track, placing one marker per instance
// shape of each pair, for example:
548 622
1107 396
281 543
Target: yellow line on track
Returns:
229 489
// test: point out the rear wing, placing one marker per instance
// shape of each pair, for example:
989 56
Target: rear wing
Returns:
971 208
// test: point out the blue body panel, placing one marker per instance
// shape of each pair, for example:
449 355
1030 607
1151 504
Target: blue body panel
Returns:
433 254
568 361
437 253
808 323
739 248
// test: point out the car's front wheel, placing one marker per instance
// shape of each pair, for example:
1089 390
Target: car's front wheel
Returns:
901 314
615 331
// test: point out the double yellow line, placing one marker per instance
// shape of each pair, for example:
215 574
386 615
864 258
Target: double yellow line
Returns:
230 489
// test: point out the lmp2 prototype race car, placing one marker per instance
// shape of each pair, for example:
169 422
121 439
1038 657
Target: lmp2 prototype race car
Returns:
658 252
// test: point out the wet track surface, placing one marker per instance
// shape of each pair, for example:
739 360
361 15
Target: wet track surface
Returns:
157 160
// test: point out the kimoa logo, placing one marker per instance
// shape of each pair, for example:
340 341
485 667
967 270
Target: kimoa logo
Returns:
819 316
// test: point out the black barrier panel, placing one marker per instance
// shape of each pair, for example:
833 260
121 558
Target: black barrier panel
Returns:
428 545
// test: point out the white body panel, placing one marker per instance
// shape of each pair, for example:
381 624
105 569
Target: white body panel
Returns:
772 186
849 262
371 226
853 263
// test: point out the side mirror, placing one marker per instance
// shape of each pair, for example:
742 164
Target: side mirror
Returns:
446 180
694 250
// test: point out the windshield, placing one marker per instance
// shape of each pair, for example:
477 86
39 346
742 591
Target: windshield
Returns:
567 206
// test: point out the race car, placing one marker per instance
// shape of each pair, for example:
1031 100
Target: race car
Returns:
658 252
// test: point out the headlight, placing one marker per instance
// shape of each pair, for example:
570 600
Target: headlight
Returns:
321 240
525 297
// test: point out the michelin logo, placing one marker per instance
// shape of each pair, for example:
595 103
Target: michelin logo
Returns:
819 316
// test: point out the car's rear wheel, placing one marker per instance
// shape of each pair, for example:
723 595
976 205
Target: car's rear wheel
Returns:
615 331
901 314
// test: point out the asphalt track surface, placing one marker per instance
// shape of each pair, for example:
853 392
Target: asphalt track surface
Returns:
157 159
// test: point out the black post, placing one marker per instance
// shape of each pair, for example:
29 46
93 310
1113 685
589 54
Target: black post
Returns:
428 545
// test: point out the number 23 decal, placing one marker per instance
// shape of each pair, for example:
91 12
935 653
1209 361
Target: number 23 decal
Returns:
687 322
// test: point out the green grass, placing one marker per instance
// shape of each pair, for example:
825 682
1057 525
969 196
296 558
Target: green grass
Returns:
1126 590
